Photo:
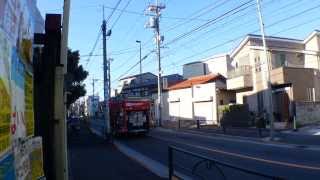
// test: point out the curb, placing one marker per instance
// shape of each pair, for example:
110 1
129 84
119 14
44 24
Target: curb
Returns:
150 164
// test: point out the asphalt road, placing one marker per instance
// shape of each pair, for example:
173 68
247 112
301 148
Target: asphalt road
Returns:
91 157
278 160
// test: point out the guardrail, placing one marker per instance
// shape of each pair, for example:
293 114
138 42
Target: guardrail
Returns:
209 164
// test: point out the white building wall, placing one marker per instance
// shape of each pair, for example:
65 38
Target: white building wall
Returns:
219 64
197 102
180 103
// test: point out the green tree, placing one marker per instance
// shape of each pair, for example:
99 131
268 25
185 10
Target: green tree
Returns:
74 78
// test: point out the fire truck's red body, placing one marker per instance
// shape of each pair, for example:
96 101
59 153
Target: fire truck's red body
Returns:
130 115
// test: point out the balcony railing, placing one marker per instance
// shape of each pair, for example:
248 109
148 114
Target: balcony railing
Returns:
240 71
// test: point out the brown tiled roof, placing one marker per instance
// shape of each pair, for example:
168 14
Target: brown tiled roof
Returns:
196 80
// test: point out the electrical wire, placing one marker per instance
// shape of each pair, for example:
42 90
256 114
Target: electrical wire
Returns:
121 12
112 12
94 47
212 21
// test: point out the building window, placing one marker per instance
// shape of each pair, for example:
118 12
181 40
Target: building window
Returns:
311 94
280 60
221 102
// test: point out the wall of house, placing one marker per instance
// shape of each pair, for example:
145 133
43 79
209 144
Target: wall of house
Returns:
205 102
312 61
307 113
181 98
219 64
194 69
198 102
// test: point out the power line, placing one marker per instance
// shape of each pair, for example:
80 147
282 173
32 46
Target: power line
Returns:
194 40
133 66
212 21
114 9
93 48
121 12
239 37
207 10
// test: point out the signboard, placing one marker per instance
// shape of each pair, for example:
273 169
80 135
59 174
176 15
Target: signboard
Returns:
7 171
5 100
16 93
28 113
28 159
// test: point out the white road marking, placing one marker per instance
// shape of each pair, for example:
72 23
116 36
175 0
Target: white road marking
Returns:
241 155
150 164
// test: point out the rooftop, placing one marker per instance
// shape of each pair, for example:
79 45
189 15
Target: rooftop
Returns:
196 80
138 75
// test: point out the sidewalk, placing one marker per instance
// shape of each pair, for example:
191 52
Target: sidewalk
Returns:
93 158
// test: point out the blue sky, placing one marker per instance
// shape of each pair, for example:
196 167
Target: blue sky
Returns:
285 18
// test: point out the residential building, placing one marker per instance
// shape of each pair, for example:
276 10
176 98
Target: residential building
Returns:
144 85
196 98
294 73
218 64
92 105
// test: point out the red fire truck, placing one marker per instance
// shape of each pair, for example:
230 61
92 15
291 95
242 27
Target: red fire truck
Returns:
130 115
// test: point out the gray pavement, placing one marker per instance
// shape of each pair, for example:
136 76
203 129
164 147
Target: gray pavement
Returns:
288 137
277 160
91 157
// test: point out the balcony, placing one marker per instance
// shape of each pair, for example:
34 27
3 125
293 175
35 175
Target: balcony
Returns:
240 78
293 75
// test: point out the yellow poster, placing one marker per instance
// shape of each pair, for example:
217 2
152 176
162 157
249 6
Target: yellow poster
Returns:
29 113
36 159
5 96
5 114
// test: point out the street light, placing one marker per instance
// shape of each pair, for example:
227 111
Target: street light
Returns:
137 41
140 60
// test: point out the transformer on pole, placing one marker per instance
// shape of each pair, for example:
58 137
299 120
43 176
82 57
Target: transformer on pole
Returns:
155 13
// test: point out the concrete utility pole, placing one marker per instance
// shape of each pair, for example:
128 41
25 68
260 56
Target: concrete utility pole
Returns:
155 24
60 130
106 74
267 67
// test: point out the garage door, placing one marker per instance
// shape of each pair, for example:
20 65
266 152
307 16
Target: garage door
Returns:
204 111
174 111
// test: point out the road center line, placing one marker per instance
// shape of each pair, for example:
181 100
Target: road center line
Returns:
241 155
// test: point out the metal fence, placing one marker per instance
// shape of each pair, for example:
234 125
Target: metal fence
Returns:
195 166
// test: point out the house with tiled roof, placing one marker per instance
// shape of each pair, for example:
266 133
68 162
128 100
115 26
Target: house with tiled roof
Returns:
196 98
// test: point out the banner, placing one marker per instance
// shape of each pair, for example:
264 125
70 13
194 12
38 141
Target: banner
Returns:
5 100
36 159
18 122
7 168
28 113
28 159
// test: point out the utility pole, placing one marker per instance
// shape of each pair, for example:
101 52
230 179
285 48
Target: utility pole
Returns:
106 73
154 23
267 66
60 130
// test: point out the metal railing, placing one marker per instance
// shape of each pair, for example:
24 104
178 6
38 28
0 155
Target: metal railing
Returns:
240 71
209 164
